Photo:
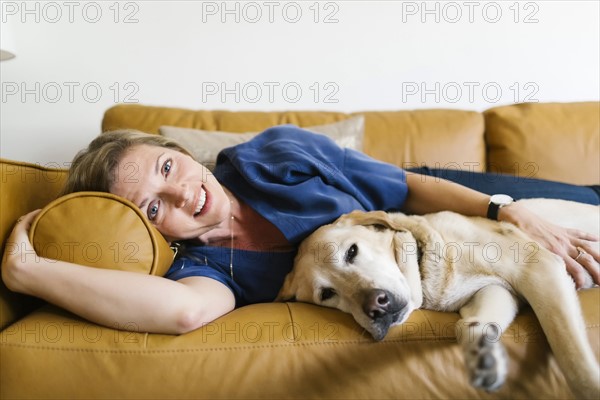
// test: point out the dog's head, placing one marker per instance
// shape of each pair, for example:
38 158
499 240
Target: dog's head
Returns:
365 264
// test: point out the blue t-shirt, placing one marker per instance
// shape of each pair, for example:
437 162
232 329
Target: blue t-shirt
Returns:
299 181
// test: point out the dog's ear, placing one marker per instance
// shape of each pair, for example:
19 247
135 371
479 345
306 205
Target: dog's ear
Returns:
407 256
395 221
287 293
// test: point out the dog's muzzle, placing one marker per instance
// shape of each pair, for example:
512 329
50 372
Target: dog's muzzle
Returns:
383 308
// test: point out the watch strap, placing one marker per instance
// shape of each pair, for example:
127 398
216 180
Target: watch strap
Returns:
492 212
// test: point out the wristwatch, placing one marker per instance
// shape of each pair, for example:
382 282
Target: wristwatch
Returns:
497 201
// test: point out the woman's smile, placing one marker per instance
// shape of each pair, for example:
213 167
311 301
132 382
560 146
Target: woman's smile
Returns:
201 203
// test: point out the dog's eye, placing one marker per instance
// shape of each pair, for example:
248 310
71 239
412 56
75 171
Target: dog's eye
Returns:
327 293
351 254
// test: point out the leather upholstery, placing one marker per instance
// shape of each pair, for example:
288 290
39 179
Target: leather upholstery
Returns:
278 350
554 141
287 350
397 137
25 187
111 232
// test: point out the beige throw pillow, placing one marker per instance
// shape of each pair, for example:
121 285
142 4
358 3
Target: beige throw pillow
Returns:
206 145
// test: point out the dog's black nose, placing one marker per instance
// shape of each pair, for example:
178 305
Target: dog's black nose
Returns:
377 303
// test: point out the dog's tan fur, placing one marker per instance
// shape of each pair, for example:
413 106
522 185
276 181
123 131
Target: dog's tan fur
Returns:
380 267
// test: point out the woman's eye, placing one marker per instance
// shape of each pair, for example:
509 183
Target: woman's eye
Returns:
152 211
351 254
327 293
167 167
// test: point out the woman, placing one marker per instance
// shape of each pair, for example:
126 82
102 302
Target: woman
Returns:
242 225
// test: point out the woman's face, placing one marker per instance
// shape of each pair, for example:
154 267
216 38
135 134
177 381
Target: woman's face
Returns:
178 195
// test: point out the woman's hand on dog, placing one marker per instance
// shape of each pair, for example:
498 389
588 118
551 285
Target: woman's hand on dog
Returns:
562 241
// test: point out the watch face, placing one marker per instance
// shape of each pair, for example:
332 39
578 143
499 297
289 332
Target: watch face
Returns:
501 199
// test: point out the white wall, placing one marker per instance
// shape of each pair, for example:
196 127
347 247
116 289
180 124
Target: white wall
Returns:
369 55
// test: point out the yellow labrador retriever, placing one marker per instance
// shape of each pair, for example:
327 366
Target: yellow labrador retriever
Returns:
379 267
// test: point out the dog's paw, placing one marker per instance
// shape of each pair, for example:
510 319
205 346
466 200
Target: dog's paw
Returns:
486 360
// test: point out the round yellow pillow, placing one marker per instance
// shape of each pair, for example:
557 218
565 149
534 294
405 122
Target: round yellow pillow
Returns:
100 230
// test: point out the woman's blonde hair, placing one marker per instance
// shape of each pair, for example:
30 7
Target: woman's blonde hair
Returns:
94 168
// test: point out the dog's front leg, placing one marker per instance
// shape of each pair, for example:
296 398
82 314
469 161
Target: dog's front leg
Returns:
484 318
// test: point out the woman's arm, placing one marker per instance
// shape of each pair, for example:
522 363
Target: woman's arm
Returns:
112 298
428 194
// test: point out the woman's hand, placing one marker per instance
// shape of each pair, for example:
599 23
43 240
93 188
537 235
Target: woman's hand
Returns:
573 246
19 253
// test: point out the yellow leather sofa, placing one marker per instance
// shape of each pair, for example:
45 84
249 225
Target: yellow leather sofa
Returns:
293 350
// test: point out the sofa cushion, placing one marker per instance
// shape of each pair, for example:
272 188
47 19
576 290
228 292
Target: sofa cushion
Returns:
206 145
100 230
557 141
271 351
435 138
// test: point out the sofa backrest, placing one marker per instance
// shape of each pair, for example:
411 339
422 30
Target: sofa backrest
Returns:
438 138
557 141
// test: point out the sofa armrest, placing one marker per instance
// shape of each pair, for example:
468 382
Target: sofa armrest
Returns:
25 187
